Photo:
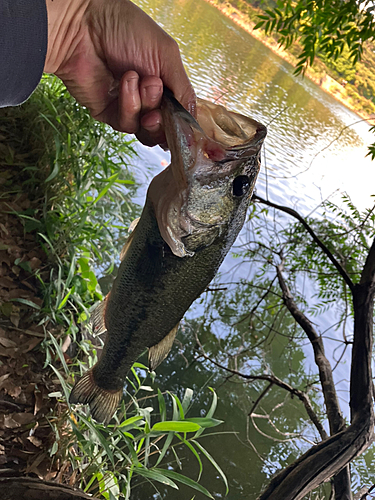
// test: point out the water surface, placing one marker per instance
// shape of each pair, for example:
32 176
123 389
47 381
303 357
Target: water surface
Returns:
315 149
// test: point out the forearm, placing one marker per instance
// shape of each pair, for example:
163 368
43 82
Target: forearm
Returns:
23 48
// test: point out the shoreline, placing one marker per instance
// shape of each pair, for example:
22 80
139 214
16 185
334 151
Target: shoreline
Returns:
326 82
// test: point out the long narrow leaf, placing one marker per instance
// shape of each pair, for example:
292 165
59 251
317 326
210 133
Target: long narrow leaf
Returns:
186 480
187 399
204 421
210 458
194 452
175 426
165 447
162 407
159 476
103 441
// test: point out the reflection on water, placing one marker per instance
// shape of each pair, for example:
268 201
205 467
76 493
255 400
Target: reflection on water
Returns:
227 65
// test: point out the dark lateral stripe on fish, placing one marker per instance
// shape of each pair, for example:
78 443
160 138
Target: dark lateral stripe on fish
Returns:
103 404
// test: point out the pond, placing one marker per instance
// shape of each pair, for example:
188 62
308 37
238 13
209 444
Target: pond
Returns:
315 149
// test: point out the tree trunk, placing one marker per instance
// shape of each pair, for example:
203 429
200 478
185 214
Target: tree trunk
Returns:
27 488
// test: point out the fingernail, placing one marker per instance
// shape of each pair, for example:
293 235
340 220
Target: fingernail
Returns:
153 92
153 129
132 84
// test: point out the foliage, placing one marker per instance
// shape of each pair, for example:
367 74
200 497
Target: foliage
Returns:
85 186
322 27
113 460
345 56
346 232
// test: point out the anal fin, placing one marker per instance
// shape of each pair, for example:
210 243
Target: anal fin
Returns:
157 353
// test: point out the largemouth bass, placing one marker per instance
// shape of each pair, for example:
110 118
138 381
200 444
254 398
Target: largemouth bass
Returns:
193 213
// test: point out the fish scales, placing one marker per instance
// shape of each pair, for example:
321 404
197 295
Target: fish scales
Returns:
193 213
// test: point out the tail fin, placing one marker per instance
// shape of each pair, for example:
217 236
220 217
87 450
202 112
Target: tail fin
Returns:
103 403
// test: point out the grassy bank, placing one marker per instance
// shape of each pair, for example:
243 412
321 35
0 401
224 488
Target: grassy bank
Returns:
66 201
356 94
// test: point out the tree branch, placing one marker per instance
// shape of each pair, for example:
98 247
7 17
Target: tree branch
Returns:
335 418
14 488
308 228
342 483
302 396
330 456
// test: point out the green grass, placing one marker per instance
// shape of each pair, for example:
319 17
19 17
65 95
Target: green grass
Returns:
76 169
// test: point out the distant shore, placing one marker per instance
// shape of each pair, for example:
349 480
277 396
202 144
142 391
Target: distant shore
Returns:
326 83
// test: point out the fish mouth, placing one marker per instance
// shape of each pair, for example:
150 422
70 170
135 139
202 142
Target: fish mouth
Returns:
209 148
238 135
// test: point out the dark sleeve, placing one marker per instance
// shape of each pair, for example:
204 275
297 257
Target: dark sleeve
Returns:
23 48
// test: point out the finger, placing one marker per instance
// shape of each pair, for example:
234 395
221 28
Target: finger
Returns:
151 91
151 132
129 103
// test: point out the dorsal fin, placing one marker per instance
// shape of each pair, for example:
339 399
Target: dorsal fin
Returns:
97 318
157 353
129 239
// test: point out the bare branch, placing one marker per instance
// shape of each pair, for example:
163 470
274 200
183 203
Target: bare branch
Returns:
302 396
327 458
342 483
308 228
335 418
363 492
260 397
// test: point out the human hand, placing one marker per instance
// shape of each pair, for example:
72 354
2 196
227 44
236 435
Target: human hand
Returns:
114 59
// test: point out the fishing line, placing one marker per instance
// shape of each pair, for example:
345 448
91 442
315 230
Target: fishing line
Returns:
264 147
277 115
335 139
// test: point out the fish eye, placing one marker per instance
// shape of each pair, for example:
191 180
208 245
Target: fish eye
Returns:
241 185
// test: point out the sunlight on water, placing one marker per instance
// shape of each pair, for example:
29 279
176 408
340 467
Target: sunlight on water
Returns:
229 66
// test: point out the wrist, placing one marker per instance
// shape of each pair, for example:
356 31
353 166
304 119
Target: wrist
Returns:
64 28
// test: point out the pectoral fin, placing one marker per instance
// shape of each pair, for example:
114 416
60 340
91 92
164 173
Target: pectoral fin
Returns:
97 318
157 353
125 248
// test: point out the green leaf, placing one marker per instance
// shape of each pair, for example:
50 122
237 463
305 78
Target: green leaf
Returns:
165 447
65 299
140 365
55 171
63 383
175 426
27 303
204 422
110 181
212 409
59 353
186 480
102 439
195 453
213 462
130 421
162 407
158 475
187 399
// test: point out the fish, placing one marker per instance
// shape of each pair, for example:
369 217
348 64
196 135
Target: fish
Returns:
193 212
